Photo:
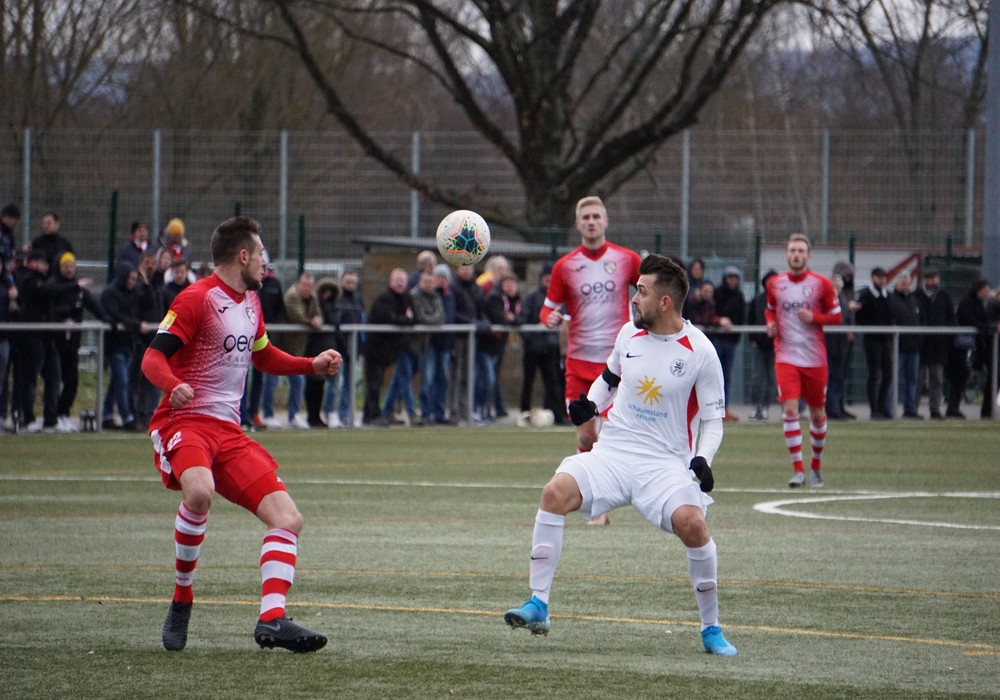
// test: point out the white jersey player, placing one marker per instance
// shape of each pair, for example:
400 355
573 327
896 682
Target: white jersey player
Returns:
665 380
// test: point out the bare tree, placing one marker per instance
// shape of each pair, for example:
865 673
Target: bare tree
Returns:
60 58
920 64
576 95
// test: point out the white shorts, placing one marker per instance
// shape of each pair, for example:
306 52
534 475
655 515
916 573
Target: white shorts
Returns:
609 479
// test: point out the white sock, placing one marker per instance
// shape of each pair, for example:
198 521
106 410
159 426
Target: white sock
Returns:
546 547
703 564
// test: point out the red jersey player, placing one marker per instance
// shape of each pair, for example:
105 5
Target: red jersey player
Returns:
199 358
799 304
593 282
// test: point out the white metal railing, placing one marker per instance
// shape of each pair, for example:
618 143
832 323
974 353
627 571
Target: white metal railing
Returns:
354 331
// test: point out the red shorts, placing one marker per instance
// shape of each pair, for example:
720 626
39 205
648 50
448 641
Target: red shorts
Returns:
806 383
580 374
244 472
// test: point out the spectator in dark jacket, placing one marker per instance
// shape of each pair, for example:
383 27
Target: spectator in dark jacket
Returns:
10 215
428 310
468 309
137 244
905 310
35 353
696 275
765 386
179 281
436 360
974 309
838 353
347 309
874 311
52 243
729 304
541 354
938 311
142 394
327 291
263 386
500 307
120 304
8 313
392 307
72 300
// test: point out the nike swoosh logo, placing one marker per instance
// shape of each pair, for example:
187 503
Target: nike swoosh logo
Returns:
630 355
273 626
538 558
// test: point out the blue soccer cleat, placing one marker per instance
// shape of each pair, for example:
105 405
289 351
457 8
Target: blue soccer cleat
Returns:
715 643
533 615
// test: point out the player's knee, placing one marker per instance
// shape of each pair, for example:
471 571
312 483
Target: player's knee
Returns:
689 525
561 495
198 499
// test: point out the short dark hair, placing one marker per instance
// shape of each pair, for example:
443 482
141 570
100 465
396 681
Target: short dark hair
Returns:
671 279
232 236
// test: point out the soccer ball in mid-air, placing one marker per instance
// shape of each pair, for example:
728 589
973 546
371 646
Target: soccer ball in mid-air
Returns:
463 238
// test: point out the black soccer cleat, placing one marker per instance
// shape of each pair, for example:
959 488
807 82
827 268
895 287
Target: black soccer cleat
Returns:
175 627
282 632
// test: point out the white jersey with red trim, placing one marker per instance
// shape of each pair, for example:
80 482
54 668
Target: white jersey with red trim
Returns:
669 384
799 343
594 286
220 330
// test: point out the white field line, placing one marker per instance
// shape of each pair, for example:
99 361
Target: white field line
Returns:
780 508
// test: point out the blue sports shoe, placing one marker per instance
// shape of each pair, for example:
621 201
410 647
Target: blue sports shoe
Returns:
715 643
534 615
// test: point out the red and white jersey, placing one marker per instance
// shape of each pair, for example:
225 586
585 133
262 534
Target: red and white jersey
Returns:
594 286
669 384
220 330
799 343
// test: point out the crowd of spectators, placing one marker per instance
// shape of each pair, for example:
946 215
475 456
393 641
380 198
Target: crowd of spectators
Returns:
423 378
39 284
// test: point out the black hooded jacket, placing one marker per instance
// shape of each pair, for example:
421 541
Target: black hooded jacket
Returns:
121 309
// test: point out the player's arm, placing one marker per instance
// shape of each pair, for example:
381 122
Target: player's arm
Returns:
551 312
156 367
709 441
597 400
832 314
271 360
770 312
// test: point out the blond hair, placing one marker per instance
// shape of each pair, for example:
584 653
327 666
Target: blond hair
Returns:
589 200
800 237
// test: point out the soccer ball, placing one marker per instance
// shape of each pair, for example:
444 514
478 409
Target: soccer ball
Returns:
463 238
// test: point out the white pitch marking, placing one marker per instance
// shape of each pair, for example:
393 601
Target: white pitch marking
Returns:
777 508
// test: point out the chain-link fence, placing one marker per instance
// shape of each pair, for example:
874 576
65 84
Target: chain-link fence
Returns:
705 193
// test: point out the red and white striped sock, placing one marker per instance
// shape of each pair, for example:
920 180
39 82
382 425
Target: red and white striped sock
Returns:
277 571
817 437
189 533
793 438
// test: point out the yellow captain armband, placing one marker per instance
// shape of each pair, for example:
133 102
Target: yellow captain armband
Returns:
260 343
167 321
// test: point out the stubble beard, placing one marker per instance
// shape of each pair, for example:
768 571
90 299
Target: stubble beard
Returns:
251 284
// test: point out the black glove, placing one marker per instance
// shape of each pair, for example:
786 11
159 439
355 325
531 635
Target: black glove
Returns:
582 410
699 465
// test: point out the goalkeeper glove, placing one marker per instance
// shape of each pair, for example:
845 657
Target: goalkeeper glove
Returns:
699 465
582 410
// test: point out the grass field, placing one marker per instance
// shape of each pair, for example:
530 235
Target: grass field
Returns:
884 585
